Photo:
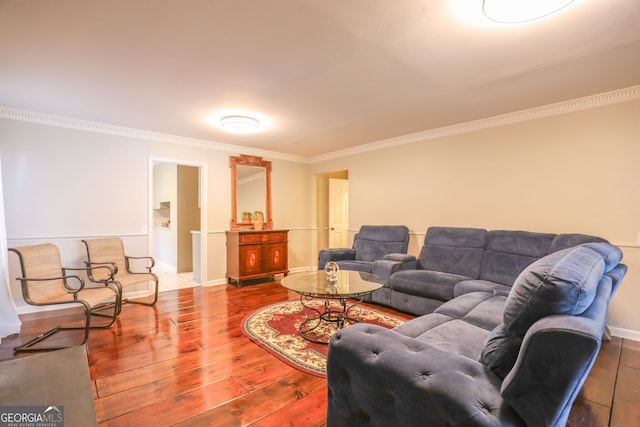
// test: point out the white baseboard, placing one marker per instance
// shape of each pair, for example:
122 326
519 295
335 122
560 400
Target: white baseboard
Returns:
625 333
216 282
301 269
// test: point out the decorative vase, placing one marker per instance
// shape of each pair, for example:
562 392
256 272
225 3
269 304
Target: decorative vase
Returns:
258 220
246 217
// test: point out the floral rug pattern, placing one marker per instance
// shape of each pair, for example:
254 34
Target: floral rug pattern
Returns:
275 328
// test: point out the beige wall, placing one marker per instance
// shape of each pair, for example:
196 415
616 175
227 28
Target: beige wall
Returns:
576 172
62 185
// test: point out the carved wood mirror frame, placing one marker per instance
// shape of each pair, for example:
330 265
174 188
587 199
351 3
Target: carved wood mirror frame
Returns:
244 159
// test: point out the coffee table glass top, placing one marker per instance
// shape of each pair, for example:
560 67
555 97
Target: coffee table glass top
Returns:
316 284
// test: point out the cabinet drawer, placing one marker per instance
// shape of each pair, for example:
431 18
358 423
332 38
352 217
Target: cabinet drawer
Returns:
275 237
259 238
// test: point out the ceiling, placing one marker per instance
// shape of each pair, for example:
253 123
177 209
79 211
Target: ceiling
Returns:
328 74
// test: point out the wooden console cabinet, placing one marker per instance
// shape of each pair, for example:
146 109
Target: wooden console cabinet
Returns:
255 254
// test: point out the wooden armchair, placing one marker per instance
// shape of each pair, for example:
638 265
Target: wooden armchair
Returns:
45 282
110 252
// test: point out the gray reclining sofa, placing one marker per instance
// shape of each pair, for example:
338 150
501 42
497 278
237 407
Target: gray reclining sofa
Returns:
496 354
454 261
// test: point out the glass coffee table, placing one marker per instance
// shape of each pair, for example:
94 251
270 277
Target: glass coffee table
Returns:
328 301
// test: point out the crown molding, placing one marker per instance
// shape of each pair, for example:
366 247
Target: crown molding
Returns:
588 102
593 101
96 127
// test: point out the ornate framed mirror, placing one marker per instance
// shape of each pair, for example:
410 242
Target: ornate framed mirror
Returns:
250 191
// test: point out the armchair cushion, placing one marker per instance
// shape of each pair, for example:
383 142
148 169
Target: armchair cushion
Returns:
564 282
375 241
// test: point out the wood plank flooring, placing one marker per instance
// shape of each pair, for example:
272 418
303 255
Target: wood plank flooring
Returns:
185 362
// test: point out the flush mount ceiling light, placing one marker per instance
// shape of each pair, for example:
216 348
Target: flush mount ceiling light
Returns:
513 11
239 124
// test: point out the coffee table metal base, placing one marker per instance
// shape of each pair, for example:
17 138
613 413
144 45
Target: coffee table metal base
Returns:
327 314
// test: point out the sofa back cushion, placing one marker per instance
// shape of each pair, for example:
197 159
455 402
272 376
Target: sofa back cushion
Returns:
508 253
373 242
453 250
564 282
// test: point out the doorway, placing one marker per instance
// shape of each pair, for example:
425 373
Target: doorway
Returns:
333 209
338 212
176 222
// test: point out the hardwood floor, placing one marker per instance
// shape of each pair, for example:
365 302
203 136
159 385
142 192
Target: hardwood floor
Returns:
185 362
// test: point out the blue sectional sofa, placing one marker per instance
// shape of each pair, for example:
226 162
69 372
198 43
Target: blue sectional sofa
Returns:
491 351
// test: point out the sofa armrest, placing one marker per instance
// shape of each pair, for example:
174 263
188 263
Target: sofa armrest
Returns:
377 376
555 358
408 261
385 268
560 350
335 254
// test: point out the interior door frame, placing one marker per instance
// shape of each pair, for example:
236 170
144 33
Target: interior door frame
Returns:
202 189
331 210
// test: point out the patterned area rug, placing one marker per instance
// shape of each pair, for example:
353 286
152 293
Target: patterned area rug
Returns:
275 328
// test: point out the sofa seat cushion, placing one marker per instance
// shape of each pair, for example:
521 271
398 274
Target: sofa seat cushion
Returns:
354 265
564 282
461 325
468 286
481 309
438 329
426 283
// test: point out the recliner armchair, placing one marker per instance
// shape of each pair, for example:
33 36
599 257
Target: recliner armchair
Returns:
377 249
371 243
